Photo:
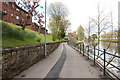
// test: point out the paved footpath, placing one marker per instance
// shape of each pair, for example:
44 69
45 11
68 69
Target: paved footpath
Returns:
64 62
77 66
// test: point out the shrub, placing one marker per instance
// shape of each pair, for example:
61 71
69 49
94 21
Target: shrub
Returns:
38 39
66 39
31 35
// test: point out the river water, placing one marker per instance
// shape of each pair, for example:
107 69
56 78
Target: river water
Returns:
113 49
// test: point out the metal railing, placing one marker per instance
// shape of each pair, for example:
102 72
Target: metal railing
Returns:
85 50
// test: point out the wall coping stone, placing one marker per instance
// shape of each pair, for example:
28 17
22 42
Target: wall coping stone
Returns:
8 50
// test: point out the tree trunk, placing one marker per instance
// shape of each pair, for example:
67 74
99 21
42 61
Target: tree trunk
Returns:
39 30
24 24
23 27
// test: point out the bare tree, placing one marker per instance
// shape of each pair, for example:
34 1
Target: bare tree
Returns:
101 22
90 28
58 9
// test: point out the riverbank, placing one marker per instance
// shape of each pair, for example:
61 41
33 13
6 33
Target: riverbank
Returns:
113 41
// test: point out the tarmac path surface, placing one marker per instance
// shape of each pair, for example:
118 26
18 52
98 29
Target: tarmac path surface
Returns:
64 62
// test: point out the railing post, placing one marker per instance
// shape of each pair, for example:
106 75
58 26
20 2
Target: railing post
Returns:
80 48
83 49
88 52
104 62
44 50
94 55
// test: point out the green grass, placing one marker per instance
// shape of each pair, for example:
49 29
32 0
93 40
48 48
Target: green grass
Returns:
13 35
114 41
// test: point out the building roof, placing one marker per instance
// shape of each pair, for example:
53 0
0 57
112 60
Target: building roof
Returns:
72 34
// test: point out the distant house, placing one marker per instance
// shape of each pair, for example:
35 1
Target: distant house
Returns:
12 13
42 30
69 34
35 27
72 34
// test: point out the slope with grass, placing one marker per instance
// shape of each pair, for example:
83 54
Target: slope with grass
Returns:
13 35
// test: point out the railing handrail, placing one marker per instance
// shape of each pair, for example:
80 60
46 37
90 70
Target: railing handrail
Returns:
102 58
107 53
113 55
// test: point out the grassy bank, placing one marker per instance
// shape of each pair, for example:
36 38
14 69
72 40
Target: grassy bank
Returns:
114 41
13 35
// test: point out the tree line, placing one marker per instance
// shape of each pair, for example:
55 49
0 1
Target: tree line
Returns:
110 35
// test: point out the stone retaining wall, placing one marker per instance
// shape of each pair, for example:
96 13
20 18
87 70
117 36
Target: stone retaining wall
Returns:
15 60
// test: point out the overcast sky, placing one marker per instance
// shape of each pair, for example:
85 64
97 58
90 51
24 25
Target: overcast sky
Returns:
81 10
